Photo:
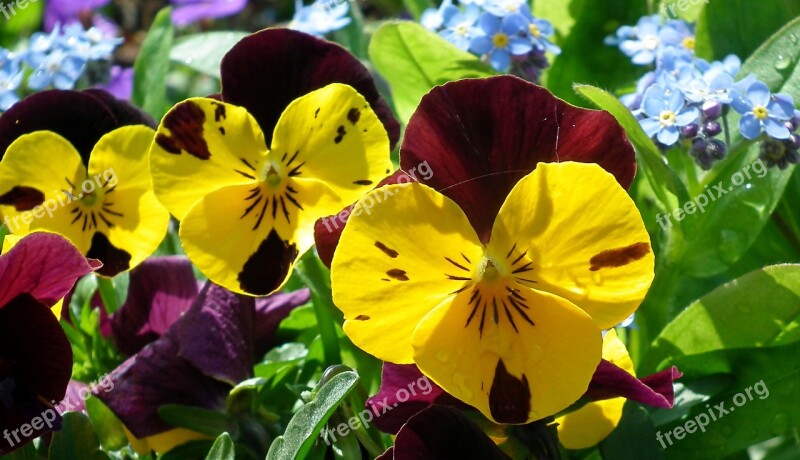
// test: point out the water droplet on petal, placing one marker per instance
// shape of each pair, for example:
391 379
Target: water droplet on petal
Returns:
793 38
442 356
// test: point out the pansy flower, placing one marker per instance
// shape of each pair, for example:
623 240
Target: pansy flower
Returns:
248 175
35 355
75 163
497 285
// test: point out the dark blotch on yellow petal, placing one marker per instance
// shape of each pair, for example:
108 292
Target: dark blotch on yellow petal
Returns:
185 123
387 250
363 182
340 132
509 397
114 260
353 115
22 198
619 257
399 275
219 112
362 318
266 269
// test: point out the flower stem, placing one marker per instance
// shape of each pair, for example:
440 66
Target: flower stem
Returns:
317 278
108 294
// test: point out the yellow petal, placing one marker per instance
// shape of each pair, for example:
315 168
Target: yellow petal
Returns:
203 145
593 422
576 233
515 357
48 170
401 254
332 135
163 442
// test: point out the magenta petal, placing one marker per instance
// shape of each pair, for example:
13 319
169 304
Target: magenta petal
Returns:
270 311
230 318
328 230
267 70
611 381
161 289
480 136
44 265
443 433
187 12
404 392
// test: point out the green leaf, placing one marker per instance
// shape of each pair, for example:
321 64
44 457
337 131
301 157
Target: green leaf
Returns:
740 26
634 438
110 430
561 14
414 60
204 52
772 407
682 9
733 221
222 448
76 440
417 7
305 426
28 452
152 66
665 184
197 419
734 316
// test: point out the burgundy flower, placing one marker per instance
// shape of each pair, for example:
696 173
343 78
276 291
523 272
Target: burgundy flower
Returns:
35 355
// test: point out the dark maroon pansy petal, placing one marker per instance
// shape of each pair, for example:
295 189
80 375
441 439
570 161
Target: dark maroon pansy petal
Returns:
404 392
442 433
611 381
156 376
217 338
478 137
78 117
328 230
267 70
125 112
32 339
270 311
161 289
44 265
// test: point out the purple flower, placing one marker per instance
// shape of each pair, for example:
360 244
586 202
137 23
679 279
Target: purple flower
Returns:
120 85
762 111
66 12
186 12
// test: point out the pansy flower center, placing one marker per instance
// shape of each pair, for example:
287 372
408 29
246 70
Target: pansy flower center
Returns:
94 208
760 112
667 118
500 40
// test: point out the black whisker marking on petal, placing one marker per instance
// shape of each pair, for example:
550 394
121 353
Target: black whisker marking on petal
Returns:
456 264
274 206
111 189
283 158
250 208
261 214
94 220
511 251
253 193
80 214
290 189
85 221
471 315
245 174
285 211
521 304
289 163
457 278
524 268
483 320
526 280
466 258
74 210
294 202
460 290
71 185
296 171
246 163
520 257
494 305
522 313
113 213
110 225
510 318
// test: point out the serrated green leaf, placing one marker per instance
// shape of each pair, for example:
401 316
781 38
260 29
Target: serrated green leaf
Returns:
204 52
414 60
152 66
305 426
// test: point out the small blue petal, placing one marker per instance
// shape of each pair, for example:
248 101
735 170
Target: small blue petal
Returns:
776 129
750 126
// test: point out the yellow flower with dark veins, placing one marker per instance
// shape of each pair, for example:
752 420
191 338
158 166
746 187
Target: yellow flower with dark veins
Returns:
93 188
510 326
247 210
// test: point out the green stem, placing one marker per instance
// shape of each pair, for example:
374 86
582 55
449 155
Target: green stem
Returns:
317 279
108 294
656 310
